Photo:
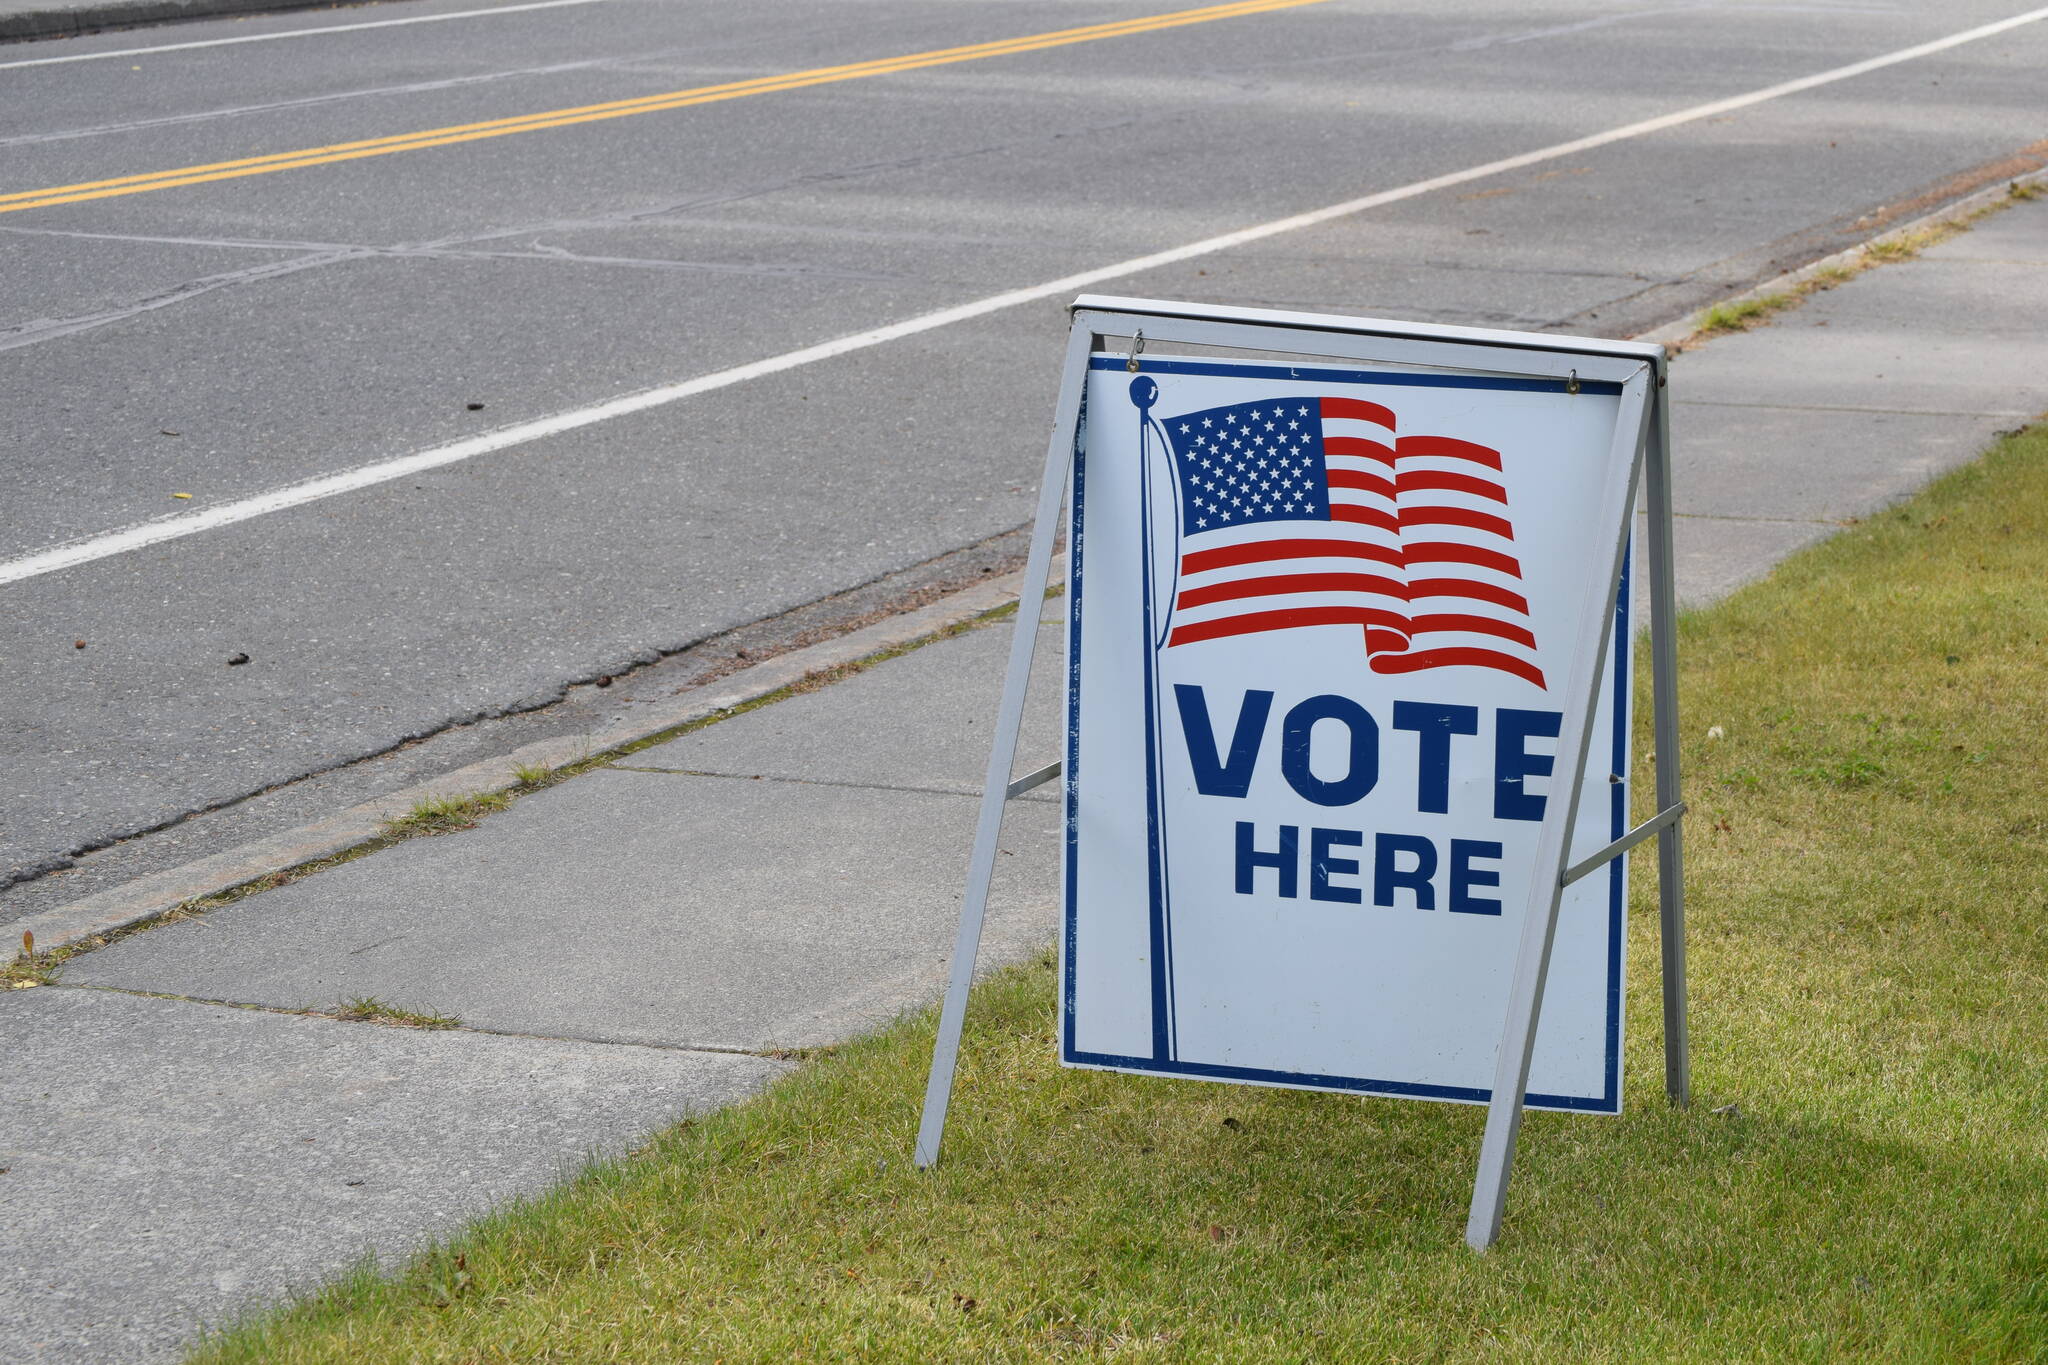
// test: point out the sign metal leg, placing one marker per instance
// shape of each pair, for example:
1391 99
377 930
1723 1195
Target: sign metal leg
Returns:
1664 704
938 1092
1539 925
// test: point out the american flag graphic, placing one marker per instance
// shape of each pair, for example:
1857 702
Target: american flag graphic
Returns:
1313 512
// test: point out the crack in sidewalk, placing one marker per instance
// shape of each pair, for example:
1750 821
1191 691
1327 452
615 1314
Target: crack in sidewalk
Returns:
802 781
1765 521
332 1015
1846 407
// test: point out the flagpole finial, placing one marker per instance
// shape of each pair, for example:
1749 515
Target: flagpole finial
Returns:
1144 392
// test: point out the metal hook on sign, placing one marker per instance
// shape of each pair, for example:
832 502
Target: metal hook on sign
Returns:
1571 385
1137 349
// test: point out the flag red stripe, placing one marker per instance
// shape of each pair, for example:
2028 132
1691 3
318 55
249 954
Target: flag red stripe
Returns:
1365 516
1277 584
1447 447
1444 481
1258 551
1287 619
1467 587
1472 625
1457 516
1368 483
1439 658
1358 410
1446 552
1359 446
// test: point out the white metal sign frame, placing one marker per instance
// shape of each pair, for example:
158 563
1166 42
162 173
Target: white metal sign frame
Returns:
1641 446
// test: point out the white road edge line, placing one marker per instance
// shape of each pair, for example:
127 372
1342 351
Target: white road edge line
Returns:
312 490
295 33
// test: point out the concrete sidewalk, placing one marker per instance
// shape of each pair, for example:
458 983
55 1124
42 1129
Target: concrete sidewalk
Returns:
655 936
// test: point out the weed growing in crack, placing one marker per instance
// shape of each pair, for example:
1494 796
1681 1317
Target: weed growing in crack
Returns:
446 814
30 968
1739 315
368 1009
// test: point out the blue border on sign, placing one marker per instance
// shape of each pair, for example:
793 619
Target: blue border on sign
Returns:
1620 646
1071 772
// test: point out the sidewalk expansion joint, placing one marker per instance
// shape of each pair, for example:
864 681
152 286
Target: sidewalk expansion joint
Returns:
794 781
1843 407
332 1016
1765 521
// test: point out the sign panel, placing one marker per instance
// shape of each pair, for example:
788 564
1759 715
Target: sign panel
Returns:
1321 626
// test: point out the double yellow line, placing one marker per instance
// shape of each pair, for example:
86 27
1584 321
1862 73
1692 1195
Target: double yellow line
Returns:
646 104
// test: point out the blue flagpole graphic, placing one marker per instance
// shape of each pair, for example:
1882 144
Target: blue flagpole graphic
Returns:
1144 393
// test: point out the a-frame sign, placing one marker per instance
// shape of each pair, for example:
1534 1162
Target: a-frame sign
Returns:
1347 750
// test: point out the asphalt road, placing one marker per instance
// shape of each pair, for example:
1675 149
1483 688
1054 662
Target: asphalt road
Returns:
229 335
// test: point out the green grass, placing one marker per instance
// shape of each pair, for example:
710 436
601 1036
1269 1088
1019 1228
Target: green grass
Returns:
1905 246
1740 315
446 814
368 1009
1863 1177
